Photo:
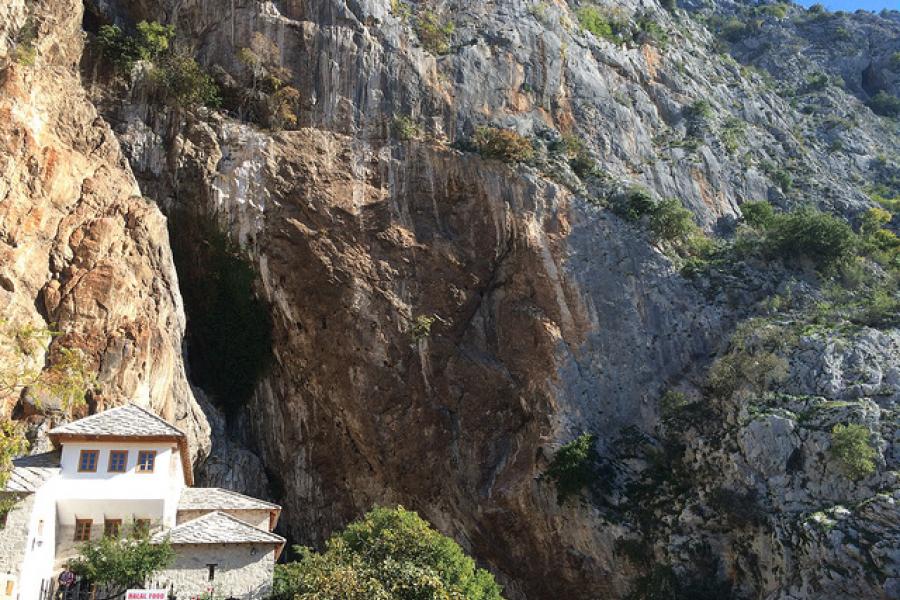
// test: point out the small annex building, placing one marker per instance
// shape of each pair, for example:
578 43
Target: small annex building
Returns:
128 468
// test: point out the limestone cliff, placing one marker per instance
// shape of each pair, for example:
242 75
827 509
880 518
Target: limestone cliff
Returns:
83 252
442 322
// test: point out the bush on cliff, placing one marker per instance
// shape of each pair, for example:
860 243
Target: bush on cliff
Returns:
389 554
573 466
503 144
851 446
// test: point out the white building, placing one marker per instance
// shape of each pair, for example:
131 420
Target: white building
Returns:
126 468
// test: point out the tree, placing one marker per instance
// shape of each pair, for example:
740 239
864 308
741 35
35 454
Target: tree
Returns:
389 554
122 562
270 98
824 239
572 467
12 444
23 364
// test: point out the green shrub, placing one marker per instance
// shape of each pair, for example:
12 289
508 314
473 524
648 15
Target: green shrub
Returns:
758 214
851 446
636 203
885 104
823 239
784 180
406 128
25 51
593 19
733 134
503 144
874 220
421 327
434 33
670 221
178 80
150 41
122 563
390 554
573 466
12 444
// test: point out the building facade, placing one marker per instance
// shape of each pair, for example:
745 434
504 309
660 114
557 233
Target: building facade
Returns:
126 469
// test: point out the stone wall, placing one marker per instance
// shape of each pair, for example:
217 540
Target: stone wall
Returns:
242 571
14 536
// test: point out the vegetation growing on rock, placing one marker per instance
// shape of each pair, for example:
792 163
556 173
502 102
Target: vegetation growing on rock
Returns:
851 446
573 466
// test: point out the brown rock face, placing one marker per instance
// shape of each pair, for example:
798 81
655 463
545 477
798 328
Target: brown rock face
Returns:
357 246
80 249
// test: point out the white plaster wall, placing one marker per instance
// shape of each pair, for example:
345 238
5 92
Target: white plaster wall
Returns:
130 484
243 571
257 518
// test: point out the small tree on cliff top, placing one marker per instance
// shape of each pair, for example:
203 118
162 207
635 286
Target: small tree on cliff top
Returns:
389 554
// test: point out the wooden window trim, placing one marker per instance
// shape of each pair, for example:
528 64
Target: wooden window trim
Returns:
140 462
142 526
109 468
79 529
81 456
10 587
115 524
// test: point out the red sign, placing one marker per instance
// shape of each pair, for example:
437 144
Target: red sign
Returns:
146 595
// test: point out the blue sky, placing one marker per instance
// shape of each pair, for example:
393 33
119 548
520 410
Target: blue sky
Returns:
851 5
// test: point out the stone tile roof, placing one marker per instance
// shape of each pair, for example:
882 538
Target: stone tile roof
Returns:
219 499
128 420
30 472
217 528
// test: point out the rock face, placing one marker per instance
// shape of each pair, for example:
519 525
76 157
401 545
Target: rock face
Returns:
443 322
81 250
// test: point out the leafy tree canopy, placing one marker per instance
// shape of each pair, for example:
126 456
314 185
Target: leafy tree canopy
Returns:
389 554
122 563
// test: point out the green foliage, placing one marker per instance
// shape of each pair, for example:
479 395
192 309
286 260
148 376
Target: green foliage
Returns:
7 501
670 221
851 446
12 444
733 134
122 562
777 10
270 100
784 180
150 41
229 340
752 364
593 19
25 52
874 220
434 32
503 144
823 239
180 81
758 214
698 115
885 104
406 128
573 466
421 327
65 376
649 31
637 203
390 554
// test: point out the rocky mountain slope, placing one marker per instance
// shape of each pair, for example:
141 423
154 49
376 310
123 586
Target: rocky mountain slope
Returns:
440 322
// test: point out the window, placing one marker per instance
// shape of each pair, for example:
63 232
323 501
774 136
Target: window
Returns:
212 571
10 584
87 461
118 461
112 527
83 530
141 527
146 461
